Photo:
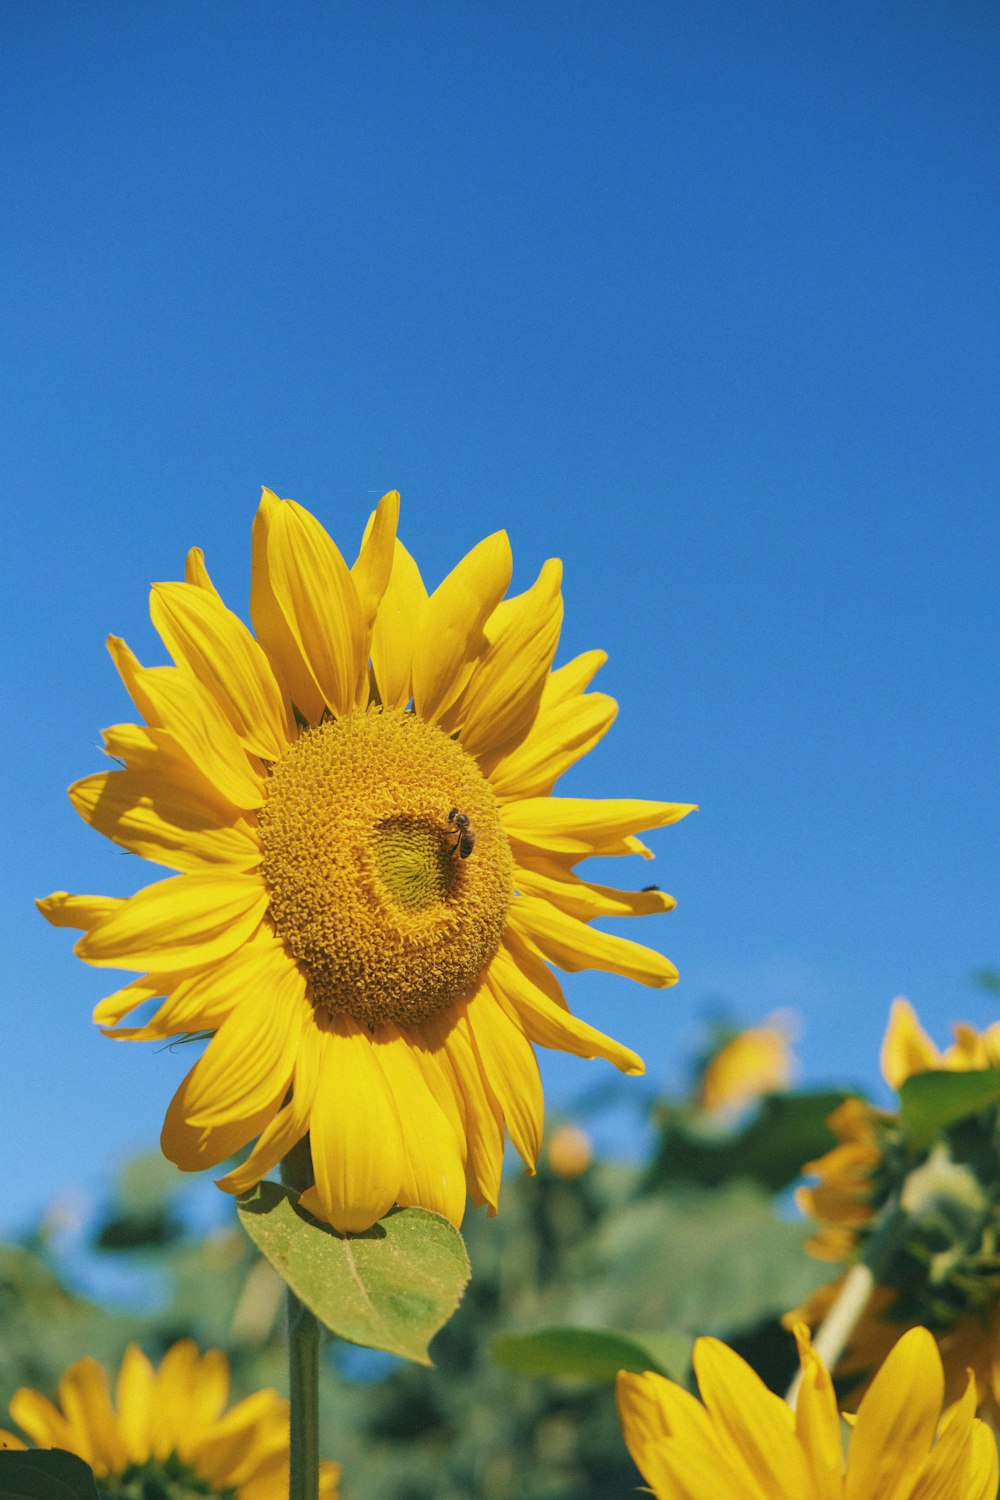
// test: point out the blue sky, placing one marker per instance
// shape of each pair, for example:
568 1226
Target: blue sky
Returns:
702 299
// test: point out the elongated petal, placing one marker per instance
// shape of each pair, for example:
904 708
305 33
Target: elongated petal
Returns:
906 1048
559 737
483 1115
398 626
317 598
754 1424
113 1008
505 691
584 825
81 912
578 898
248 1063
508 1061
172 699
193 1148
673 1443
134 1400
451 634
522 984
199 1000
202 635
43 1422
86 1402
896 1420
573 946
434 1171
355 1133
291 1122
195 572
155 752
290 666
374 563
147 816
177 923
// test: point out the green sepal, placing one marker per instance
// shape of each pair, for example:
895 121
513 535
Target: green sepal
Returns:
591 1353
45 1474
391 1287
932 1101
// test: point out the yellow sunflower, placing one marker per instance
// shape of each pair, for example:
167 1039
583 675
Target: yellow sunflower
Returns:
167 1429
755 1061
742 1442
945 1275
374 875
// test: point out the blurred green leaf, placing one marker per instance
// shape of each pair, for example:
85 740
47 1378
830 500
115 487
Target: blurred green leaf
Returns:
787 1131
392 1287
987 979
48 1474
592 1353
933 1100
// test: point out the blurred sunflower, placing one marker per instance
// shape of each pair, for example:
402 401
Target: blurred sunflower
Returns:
374 875
755 1061
745 1443
945 1273
167 1431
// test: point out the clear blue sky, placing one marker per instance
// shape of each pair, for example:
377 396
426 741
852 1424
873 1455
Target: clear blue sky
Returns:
702 298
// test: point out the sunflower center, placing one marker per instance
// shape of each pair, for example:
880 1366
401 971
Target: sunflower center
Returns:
387 865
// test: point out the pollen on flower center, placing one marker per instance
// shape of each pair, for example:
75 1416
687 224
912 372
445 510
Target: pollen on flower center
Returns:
368 885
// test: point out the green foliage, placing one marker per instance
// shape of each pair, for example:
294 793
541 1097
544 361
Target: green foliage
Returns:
933 1101
390 1288
591 1353
53 1475
787 1131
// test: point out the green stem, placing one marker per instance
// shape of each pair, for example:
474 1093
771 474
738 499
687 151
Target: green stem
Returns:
303 1360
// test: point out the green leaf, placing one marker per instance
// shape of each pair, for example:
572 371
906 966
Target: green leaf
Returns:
593 1353
45 1474
787 1131
392 1287
934 1100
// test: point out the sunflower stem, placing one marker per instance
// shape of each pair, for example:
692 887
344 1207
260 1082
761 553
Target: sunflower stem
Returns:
303 1360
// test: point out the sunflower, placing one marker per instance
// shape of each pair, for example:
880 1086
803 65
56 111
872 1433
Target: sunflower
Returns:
752 1062
374 877
167 1431
944 1274
745 1443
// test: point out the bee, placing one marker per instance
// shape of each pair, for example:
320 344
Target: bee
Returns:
464 836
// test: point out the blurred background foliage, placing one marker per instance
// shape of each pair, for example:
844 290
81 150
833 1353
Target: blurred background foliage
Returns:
698 1237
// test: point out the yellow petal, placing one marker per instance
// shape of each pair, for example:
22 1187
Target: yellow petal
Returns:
10 1442
198 1001
505 691
521 982
509 1064
82 912
434 1171
483 1116
289 1124
86 1402
397 628
274 632
355 1135
146 815
169 698
906 1048
44 1423
317 598
177 923
754 1427
896 1420
585 825
134 1400
673 1443
375 560
196 572
947 1468
560 736
202 635
113 1008
578 898
248 1064
817 1421
573 946
451 634
155 752
193 1148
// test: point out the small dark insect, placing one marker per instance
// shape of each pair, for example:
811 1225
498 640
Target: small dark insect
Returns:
464 836
651 887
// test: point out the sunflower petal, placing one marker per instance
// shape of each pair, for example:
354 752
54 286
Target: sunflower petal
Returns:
509 1063
578 898
81 912
177 923
288 663
291 1122
896 1420
202 635
434 1171
573 946
482 1112
451 632
150 818
193 1148
397 627
559 737
374 563
584 825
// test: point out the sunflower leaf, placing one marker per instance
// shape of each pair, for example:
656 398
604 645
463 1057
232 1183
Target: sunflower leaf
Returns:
934 1100
45 1474
392 1287
591 1353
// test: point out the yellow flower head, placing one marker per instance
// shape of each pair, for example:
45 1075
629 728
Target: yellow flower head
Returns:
374 875
754 1062
742 1442
945 1272
168 1426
